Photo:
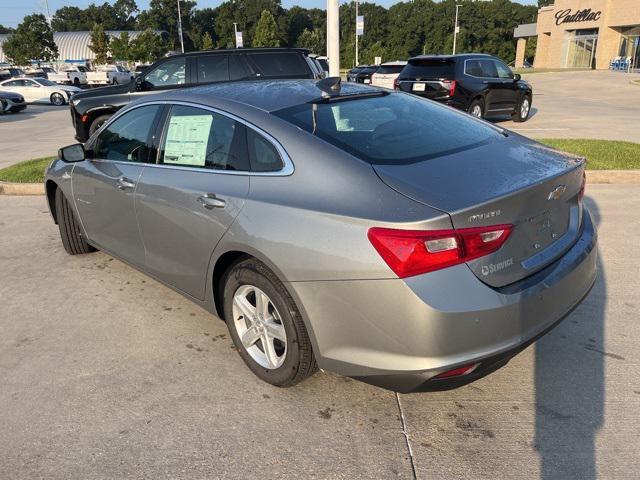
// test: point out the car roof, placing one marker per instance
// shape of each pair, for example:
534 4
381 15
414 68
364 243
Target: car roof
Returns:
450 57
241 51
266 95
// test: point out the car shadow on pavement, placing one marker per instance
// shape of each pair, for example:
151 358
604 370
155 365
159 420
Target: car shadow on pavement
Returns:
570 386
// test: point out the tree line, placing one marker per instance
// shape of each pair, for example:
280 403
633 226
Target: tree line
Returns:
403 30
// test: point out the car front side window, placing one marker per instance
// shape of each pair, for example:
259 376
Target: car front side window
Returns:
171 72
199 138
503 71
126 139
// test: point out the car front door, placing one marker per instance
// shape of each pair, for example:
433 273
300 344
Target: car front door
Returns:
189 199
104 185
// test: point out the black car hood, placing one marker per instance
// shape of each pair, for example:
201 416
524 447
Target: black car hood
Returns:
11 96
102 91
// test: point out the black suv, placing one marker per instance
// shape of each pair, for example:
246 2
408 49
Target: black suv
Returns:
479 84
91 108
364 74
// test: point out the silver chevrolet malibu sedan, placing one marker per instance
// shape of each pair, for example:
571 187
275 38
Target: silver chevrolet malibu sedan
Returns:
366 232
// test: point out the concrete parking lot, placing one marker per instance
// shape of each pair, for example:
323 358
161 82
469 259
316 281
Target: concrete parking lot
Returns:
565 105
107 374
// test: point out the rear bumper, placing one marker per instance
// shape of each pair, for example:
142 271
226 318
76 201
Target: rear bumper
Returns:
399 334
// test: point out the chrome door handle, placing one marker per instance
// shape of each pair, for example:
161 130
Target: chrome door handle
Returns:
124 183
210 201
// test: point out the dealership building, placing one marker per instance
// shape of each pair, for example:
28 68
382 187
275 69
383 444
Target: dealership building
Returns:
584 34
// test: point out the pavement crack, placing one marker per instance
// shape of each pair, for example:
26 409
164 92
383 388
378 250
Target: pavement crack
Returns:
406 437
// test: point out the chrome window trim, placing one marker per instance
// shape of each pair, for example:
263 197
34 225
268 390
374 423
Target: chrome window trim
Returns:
286 170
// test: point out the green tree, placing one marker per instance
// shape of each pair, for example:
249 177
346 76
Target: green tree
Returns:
266 31
99 44
32 41
163 15
314 40
148 47
120 47
207 41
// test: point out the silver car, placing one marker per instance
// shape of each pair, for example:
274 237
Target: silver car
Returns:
363 231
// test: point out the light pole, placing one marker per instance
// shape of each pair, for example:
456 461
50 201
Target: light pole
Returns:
333 37
356 33
455 30
180 28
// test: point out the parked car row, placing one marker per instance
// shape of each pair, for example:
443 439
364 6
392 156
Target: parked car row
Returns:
479 84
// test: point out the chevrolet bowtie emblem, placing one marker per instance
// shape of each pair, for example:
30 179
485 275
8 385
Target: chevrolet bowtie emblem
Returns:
557 192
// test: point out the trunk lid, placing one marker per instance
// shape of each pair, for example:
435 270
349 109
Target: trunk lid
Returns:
508 181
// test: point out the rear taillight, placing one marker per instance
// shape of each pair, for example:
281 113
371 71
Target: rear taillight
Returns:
396 84
456 372
413 252
583 186
451 85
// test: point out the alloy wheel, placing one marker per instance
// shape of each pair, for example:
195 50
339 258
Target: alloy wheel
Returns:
524 108
259 327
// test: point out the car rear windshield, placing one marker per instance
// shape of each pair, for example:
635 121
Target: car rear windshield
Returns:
384 69
281 64
429 68
392 128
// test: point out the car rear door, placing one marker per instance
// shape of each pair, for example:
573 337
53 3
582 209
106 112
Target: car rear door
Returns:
104 185
509 91
493 96
187 201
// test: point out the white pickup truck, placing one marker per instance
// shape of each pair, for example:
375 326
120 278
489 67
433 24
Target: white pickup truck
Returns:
109 75
73 75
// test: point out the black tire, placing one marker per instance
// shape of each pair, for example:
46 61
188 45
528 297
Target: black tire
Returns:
299 362
522 111
476 106
97 123
57 99
70 232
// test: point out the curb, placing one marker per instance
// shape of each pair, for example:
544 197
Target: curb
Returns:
8 188
593 177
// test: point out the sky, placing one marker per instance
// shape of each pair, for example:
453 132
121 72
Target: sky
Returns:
12 11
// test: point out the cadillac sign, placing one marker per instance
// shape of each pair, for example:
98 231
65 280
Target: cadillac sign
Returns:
586 15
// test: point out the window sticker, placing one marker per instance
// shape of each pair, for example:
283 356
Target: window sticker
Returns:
187 139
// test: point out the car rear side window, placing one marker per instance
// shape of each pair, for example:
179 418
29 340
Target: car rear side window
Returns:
262 153
395 128
126 139
213 68
473 68
429 68
195 137
281 64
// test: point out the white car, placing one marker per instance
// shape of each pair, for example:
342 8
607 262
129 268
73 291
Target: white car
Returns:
109 75
74 75
386 74
39 90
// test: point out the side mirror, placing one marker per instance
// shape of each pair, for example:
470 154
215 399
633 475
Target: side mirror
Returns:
72 153
517 77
